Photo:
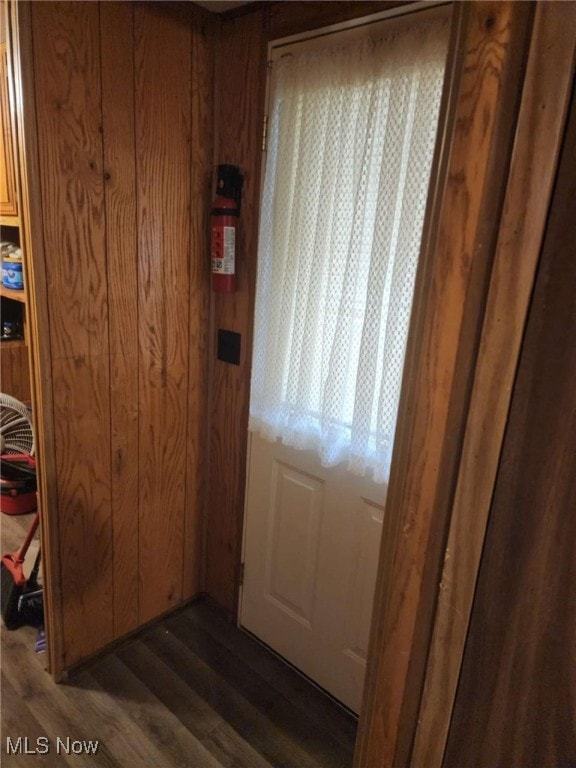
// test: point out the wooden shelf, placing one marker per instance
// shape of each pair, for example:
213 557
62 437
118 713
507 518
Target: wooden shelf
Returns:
8 293
11 343
10 221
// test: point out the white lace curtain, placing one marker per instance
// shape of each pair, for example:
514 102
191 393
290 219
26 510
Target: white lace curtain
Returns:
351 140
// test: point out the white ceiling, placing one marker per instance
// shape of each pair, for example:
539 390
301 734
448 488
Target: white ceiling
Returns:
219 6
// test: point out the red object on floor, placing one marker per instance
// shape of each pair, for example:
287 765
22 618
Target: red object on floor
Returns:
18 503
18 500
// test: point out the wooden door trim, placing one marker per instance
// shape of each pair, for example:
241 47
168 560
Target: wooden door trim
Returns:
488 56
543 110
38 326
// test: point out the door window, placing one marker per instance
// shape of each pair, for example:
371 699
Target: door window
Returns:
352 130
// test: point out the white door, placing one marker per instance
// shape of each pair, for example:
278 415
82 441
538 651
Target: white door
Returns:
311 554
351 137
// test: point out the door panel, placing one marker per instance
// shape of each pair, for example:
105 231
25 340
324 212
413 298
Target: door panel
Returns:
292 549
359 613
311 553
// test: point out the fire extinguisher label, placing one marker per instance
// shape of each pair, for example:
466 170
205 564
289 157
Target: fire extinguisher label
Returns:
224 252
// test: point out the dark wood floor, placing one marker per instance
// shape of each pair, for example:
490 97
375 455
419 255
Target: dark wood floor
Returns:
191 691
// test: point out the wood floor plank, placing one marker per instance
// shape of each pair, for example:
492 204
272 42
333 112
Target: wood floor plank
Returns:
123 737
232 751
279 710
17 720
81 707
50 704
191 709
168 687
181 693
252 723
178 746
319 708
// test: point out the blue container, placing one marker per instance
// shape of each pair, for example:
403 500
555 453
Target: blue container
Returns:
12 275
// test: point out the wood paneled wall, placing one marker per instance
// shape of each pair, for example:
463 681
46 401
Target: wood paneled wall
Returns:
240 81
240 90
15 370
124 105
515 701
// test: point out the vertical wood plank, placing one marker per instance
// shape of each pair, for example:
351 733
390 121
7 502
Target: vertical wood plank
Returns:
240 94
117 52
451 289
68 100
7 372
202 116
6 378
163 138
23 367
538 139
515 700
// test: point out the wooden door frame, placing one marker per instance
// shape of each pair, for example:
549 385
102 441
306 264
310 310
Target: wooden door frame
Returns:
539 134
41 385
457 394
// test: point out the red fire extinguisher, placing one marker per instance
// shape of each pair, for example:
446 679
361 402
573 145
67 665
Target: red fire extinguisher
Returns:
225 213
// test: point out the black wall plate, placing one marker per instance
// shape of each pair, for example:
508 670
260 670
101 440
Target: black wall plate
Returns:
229 347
